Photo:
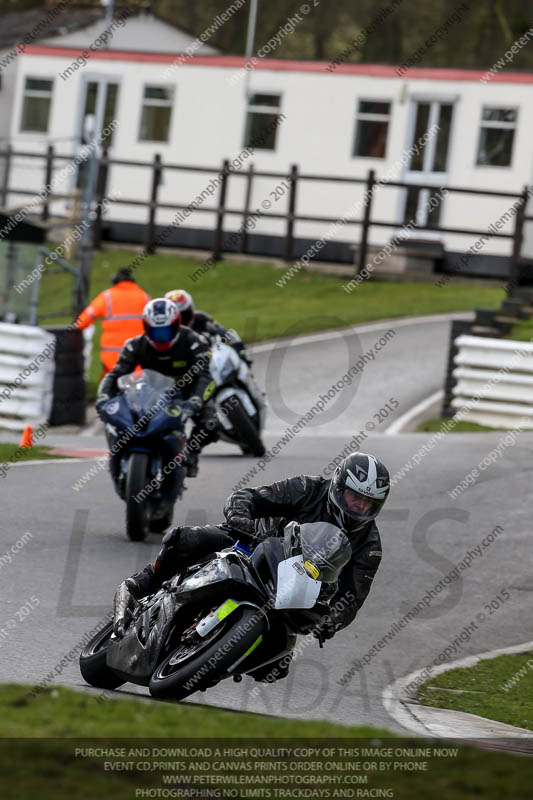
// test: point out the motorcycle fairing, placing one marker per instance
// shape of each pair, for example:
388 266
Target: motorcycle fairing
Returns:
295 588
136 655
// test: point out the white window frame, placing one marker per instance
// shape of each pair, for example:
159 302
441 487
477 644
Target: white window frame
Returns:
150 101
259 109
502 125
372 116
36 93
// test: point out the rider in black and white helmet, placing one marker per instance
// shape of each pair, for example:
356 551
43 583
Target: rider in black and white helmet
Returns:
352 499
358 489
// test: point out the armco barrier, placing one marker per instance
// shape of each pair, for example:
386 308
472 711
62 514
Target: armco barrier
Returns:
26 380
494 377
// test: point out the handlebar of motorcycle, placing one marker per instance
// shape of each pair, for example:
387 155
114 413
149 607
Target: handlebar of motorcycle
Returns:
247 538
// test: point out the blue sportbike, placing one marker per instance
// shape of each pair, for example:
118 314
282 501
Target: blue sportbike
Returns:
146 431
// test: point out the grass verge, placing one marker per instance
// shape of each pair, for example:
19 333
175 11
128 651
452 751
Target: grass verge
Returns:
498 688
12 452
47 765
60 712
462 426
522 331
246 297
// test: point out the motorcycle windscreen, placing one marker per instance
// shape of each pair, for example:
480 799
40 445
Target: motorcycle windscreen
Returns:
295 588
144 389
224 362
326 550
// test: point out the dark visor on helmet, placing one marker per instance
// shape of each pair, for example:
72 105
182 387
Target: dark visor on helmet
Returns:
162 335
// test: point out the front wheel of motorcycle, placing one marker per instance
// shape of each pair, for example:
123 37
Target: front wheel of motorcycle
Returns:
198 663
93 665
244 429
137 508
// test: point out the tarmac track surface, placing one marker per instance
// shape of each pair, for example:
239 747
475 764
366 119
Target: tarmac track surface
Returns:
77 553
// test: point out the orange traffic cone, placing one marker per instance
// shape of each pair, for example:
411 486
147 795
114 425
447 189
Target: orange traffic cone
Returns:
27 437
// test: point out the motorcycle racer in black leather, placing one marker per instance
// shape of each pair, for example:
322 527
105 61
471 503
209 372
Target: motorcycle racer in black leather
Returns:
204 324
172 349
352 499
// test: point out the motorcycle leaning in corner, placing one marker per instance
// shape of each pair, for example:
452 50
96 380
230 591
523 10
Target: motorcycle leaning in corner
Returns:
228 615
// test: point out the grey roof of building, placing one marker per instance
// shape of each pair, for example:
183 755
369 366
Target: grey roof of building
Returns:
17 24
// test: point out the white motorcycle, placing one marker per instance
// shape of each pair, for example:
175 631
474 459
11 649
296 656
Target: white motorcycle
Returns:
239 402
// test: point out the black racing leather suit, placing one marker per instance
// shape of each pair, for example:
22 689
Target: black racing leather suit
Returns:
205 325
187 361
303 498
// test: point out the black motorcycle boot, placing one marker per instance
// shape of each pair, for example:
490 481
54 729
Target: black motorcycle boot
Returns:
114 466
192 464
143 583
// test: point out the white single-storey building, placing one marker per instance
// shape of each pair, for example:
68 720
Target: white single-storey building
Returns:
425 126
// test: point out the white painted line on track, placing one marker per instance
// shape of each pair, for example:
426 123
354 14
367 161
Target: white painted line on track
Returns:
452 724
399 424
52 461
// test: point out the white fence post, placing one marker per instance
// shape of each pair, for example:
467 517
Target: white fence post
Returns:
494 379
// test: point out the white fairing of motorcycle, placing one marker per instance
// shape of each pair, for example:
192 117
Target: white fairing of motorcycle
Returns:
224 363
296 589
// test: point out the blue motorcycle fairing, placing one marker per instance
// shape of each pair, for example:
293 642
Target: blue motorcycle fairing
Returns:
122 418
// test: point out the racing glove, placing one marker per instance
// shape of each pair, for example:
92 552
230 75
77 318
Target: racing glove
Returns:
241 524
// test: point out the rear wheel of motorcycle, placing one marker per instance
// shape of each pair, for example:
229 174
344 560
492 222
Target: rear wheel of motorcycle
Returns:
93 665
137 513
243 427
189 670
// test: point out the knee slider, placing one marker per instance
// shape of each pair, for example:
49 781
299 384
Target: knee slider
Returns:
142 584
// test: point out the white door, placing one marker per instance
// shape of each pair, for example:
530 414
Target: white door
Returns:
99 100
429 164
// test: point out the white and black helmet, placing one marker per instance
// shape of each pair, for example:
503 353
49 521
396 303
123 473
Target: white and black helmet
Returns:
358 489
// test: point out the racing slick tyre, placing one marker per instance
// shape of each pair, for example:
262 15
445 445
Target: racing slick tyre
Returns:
93 666
66 412
137 512
69 366
200 662
243 427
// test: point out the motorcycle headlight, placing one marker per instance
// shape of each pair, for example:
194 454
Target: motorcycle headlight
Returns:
212 573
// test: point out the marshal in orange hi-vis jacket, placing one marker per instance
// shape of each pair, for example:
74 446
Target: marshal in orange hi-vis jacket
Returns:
121 308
